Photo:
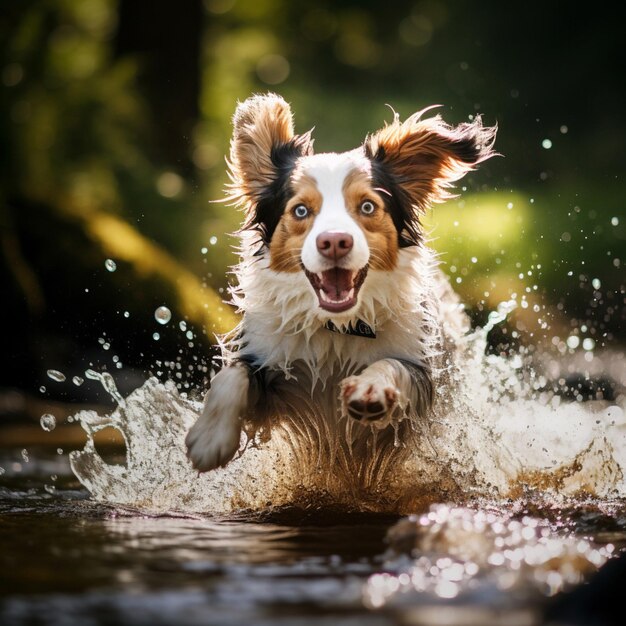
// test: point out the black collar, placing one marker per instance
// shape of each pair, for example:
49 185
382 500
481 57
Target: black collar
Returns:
360 329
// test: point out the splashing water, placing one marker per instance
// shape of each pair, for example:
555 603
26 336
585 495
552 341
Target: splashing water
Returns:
108 383
493 441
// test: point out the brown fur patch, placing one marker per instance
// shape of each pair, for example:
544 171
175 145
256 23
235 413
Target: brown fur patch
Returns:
379 229
289 236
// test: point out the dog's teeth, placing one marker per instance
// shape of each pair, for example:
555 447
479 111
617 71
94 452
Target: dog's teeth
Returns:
326 298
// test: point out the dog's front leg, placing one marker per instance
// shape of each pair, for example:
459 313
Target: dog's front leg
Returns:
214 439
385 388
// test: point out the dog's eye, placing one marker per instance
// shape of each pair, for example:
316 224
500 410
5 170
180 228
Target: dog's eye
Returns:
300 211
367 207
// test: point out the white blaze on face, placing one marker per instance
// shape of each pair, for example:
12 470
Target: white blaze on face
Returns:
329 172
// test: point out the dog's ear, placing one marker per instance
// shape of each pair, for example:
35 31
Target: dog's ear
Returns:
263 151
417 161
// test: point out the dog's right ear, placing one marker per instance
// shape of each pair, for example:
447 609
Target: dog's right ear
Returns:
263 152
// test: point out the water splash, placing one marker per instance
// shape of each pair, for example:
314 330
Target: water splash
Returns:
157 474
492 440
108 383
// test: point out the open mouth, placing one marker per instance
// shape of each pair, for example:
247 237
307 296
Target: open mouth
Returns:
337 289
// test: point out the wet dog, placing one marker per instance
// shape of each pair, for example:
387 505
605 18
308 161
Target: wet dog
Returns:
346 316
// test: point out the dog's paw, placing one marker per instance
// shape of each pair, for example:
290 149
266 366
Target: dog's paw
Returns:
367 400
212 443
214 439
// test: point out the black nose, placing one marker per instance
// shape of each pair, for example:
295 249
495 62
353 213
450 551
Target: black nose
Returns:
334 244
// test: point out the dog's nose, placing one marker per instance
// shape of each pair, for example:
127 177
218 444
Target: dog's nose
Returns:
334 244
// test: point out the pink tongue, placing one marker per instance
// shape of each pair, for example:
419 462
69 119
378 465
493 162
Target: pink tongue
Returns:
337 283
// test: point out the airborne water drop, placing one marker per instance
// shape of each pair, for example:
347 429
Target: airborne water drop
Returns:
55 375
48 422
163 315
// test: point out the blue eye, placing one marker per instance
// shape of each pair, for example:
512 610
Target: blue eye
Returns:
300 211
367 207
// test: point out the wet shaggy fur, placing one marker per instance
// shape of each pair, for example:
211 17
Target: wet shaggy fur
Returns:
349 328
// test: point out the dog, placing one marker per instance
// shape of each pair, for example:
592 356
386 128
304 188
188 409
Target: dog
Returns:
349 327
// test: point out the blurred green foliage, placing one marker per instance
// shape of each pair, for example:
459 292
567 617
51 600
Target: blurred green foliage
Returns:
102 110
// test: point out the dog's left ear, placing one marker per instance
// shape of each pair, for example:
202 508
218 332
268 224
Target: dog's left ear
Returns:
418 160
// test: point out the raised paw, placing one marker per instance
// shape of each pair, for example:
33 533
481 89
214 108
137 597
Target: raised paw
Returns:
212 443
366 400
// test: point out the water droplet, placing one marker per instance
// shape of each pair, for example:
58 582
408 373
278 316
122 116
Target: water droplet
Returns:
204 250
614 221
546 144
163 315
55 375
111 265
126 314
596 283
78 381
563 129
42 389
573 341
588 343
59 450
108 383
48 422
182 326
156 336
213 240
25 455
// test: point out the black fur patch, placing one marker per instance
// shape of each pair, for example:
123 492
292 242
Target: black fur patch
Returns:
423 389
271 202
399 204
471 142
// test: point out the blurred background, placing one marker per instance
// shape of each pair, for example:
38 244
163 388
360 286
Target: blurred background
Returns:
114 125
